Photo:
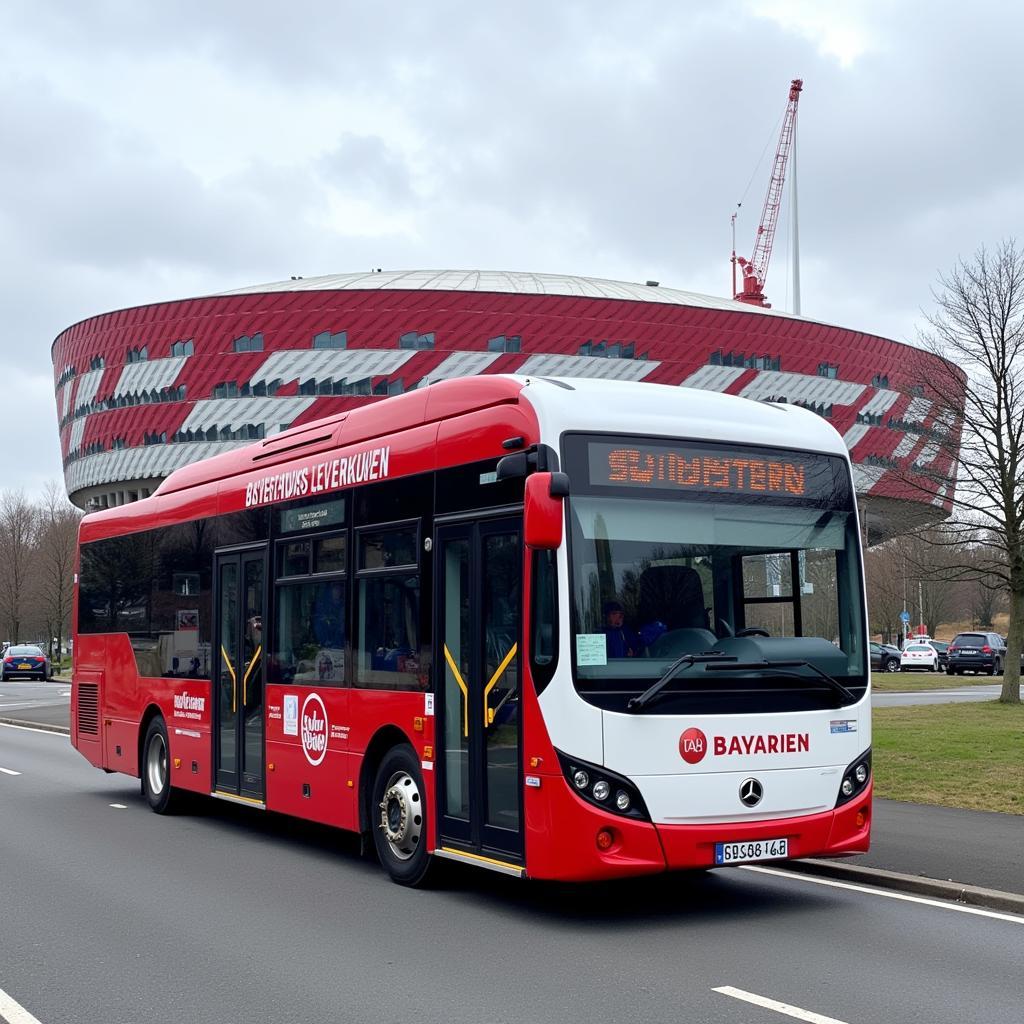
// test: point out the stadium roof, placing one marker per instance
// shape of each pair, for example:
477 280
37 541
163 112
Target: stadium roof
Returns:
509 282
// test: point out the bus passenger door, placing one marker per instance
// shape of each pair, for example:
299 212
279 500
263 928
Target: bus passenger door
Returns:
239 657
479 615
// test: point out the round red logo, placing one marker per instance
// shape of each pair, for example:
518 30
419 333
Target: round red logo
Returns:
313 729
693 745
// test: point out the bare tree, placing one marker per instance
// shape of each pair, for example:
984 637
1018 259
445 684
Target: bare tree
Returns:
55 563
18 529
978 327
885 590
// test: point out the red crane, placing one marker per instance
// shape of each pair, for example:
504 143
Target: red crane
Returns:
755 270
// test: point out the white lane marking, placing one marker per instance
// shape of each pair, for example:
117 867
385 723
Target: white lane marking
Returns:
33 704
28 728
9 771
774 1004
14 1013
120 807
888 894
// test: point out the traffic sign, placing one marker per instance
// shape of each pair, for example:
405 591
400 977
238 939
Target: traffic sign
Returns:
904 616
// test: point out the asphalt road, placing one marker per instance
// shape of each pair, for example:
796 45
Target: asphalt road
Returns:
954 695
48 703
109 914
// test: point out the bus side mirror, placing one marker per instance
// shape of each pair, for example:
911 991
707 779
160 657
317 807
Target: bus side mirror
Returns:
543 510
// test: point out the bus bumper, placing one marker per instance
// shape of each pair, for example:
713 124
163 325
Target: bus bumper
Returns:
563 839
838 833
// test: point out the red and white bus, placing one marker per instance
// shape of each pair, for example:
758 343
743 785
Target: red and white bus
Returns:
563 629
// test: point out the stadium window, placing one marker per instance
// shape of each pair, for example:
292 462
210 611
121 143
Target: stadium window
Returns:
182 348
245 343
880 380
505 343
417 341
308 387
96 363
829 370
226 389
327 340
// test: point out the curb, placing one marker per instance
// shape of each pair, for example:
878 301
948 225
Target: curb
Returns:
41 726
956 892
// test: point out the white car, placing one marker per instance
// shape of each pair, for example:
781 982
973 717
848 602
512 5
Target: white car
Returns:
919 656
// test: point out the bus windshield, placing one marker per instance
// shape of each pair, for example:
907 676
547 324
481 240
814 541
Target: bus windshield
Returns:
683 559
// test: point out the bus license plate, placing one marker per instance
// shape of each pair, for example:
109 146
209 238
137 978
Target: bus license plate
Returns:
740 853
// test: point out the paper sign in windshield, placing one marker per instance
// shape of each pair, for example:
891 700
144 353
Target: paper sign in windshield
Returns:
591 649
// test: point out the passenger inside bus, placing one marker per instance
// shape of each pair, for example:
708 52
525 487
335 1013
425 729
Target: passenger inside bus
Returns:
621 641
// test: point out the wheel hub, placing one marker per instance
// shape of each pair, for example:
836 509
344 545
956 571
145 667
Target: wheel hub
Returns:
156 765
401 815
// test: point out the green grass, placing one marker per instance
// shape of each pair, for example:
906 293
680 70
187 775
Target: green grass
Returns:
905 682
954 755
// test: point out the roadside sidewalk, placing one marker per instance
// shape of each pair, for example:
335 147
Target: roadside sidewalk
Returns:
971 857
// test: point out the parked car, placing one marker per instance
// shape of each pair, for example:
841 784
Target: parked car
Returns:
25 660
924 638
919 657
942 646
884 657
976 652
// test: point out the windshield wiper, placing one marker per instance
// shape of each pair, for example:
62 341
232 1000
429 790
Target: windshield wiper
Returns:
847 695
686 661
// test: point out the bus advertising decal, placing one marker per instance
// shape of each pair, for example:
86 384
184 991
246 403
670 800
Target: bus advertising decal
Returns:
693 745
186 705
314 729
321 476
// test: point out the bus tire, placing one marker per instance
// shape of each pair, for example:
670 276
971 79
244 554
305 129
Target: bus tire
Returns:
155 768
398 817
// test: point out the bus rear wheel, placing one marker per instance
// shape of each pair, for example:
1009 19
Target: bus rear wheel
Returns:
398 816
155 768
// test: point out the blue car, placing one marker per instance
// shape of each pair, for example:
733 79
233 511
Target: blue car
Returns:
25 661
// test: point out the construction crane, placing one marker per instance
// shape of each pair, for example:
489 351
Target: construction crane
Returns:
755 270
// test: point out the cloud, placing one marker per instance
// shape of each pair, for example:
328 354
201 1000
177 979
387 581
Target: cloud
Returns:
159 151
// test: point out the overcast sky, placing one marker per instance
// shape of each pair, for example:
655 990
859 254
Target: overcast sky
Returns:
158 151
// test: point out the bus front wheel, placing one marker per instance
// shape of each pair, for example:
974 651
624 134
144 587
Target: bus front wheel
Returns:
155 768
399 817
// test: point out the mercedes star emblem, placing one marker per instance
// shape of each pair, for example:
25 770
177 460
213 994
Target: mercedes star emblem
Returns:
751 792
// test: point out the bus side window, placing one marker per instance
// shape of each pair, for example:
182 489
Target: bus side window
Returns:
543 619
388 652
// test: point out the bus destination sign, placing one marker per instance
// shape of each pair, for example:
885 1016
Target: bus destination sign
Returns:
692 469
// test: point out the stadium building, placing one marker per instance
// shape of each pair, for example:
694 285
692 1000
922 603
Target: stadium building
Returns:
145 390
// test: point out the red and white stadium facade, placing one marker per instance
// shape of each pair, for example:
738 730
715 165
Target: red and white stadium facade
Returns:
144 390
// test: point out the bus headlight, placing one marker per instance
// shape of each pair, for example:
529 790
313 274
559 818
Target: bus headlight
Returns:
602 788
855 778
